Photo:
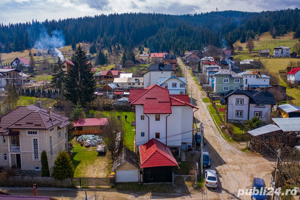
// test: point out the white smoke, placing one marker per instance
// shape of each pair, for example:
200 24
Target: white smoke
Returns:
59 54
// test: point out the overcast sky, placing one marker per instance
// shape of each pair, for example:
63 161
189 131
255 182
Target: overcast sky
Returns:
14 11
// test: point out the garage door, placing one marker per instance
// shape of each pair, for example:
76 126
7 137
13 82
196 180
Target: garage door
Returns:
127 176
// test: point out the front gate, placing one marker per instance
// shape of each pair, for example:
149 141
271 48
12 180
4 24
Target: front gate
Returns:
90 182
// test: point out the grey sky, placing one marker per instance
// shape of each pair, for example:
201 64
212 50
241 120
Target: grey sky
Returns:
14 11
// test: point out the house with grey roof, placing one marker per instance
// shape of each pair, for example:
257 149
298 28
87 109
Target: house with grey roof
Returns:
156 71
243 105
281 51
289 111
255 79
175 85
226 80
26 132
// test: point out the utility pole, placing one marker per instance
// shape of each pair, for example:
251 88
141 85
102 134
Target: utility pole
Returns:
277 165
191 94
201 148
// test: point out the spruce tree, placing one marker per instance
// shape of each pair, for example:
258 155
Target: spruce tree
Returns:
80 83
45 166
63 168
59 76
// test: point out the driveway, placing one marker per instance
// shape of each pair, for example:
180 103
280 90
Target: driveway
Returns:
236 168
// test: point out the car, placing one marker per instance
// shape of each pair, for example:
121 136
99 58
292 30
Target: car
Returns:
198 139
206 160
211 179
258 184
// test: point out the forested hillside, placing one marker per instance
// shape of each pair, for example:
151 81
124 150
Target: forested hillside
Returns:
157 31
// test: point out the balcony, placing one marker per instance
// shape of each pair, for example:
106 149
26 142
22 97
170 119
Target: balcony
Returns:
88 132
15 149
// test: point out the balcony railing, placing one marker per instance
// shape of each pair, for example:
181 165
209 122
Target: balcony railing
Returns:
14 148
88 132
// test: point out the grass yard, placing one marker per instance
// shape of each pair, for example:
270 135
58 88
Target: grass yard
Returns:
129 131
25 101
42 77
276 64
88 164
238 128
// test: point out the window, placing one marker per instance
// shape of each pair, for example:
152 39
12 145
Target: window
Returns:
239 102
260 105
236 80
142 117
51 129
258 114
142 134
174 85
157 135
225 88
246 81
3 139
35 149
50 139
4 156
60 149
239 113
181 85
225 80
59 134
236 87
36 168
157 117
32 132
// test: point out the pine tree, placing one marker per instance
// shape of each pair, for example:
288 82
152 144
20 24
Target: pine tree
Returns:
59 76
45 166
93 49
73 44
297 33
80 83
101 58
32 61
63 168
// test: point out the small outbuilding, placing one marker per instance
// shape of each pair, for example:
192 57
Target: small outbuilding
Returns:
293 55
126 167
288 111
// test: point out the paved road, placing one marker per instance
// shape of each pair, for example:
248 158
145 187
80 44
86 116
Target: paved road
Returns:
236 168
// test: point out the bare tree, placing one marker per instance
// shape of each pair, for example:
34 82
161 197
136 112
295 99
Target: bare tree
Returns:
274 77
277 95
213 51
128 63
250 45
296 48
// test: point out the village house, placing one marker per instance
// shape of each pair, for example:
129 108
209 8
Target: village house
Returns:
288 110
226 53
136 82
12 76
170 59
175 85
293 75
17 62
26 132
243 105
293 54
107 76
89 126
226 80
255 79
281 51
156 71
66 65
264 52
191 57
144 57
157 57
126 75
110 87
167 118
209 66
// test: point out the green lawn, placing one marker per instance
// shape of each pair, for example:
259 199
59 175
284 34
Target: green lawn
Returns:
129 131
206 100
238 128
42 78
25 101
88 164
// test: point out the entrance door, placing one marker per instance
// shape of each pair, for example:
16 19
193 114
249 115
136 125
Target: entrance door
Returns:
18 160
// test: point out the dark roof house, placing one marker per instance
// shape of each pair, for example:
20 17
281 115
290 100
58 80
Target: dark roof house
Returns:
160 67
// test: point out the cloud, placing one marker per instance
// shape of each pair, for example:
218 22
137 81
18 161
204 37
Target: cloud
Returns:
133 5
97 4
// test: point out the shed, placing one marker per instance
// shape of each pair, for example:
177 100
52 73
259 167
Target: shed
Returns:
89 125
293 55
126 166
157 161
288 110
264 52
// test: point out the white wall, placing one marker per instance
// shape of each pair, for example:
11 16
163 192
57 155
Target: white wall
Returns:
173 90
152 77
266 112
294 77
232 108
252 80
187 118
281 53
141 126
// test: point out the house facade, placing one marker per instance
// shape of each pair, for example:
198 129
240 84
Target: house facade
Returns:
191 57
264 52
107 76
175 85
26 132
145 57
157 58
243 105
12 76
293 75
282 51
156 71
255 79
167 118
20 62
226 80
89 126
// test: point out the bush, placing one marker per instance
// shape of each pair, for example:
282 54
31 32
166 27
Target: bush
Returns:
63 168
45 166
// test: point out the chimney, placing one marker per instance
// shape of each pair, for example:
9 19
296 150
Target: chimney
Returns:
50 113
35 191
39 104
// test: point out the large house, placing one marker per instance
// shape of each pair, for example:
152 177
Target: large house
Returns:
243 105
20 62
155 72
191 57
130 83
293 76
167 118
26 132
157 57
107 76
12 76
281 51
175 85
226 80
255 79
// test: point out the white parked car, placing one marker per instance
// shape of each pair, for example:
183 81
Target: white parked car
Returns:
211 179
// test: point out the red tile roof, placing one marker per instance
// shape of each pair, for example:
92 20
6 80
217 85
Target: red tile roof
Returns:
69 62
156 154
113 72
294 71
31 117
91 122
118 92
26 61
157 55
209 63
156 99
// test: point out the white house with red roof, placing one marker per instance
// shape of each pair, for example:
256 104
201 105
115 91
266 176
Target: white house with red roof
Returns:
293 76
160 115
20 61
